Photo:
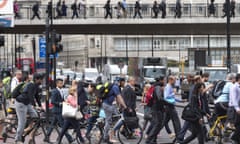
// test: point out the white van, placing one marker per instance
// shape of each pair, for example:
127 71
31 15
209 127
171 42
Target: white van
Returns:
90 74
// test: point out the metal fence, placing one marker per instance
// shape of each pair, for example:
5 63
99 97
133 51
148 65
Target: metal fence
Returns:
98 11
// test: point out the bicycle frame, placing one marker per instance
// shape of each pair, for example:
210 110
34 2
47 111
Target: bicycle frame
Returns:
217 121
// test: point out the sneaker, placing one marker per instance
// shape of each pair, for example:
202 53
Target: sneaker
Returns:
107 141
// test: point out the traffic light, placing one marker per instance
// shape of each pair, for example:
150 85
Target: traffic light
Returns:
2 40
56 43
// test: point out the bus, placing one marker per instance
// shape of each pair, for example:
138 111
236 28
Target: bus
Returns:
26 65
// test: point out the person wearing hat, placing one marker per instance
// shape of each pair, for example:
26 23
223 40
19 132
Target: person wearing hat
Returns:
25 103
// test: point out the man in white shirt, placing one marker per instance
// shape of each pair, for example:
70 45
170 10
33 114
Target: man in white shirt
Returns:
16 80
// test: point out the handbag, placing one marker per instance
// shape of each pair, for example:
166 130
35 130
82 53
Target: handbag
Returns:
68 111
190 114
79 115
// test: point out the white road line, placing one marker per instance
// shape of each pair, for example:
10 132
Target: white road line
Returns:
140 114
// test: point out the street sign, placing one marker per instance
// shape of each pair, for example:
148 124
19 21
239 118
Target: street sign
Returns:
42 48
6 21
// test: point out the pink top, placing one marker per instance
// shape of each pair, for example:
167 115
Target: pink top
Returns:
72 100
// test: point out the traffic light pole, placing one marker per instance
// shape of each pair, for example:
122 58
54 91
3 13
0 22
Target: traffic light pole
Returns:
228 37
48 46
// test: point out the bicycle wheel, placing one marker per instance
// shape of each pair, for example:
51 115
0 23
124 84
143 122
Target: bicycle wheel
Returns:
40 133
130 136
7 130
96 135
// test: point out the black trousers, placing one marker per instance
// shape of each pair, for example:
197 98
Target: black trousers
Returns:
75 124
171 114
156 122
197 131
108 13
221 108
236 134
137 12
35 14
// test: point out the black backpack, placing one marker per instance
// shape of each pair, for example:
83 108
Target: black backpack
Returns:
217 88
102 90
18 90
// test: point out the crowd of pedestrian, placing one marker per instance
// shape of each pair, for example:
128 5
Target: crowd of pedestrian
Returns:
163 108
159 100
122 9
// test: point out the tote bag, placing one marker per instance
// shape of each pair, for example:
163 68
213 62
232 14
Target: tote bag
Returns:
68 111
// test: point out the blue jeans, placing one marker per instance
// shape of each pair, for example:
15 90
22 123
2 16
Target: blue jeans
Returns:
91 121
109 111
22 110
58 119
184 129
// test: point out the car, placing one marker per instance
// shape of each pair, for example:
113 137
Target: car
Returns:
79 76
69 73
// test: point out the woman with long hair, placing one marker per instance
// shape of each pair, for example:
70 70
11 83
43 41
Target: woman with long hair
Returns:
72 99
196 104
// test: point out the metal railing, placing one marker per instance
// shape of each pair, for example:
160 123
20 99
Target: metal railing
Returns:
97 11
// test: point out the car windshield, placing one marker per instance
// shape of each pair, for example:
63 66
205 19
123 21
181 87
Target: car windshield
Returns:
154 72
91 74
71 75
79 75
215 75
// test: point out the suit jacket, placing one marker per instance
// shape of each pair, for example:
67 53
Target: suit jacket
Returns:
56 100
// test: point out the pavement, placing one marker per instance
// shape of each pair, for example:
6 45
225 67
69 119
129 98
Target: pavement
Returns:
163 137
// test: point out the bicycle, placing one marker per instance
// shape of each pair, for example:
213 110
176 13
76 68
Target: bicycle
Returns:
218 131
96 134
38 128
130 131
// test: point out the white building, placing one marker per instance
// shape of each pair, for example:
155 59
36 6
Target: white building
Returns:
96 50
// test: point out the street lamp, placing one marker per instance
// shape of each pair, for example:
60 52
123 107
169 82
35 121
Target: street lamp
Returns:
228 37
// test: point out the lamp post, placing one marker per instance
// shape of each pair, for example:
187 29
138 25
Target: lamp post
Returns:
228 37
126 50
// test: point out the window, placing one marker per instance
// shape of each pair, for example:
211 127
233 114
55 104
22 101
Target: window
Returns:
119 44
92 43
172 44
157 44
145 44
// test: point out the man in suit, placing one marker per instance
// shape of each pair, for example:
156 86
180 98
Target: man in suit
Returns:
57 98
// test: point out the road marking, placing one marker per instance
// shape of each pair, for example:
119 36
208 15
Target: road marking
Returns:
140 114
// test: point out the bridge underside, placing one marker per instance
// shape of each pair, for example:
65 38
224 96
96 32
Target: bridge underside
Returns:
137 27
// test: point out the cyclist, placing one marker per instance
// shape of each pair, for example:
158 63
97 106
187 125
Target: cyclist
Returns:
129 97
221 103
109 109
25 103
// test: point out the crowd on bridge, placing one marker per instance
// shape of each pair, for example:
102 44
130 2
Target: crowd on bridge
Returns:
158 98
79 9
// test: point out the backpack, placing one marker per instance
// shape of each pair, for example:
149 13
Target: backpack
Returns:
7 87
102 90
217 88
149 96
18 90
